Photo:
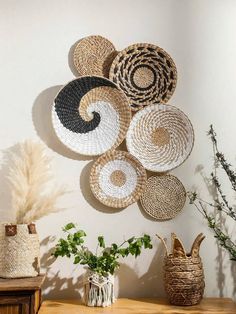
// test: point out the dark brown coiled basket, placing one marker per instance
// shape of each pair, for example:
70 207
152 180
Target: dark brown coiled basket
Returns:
183 274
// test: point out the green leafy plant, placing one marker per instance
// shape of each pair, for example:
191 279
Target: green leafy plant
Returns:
105 261
220 205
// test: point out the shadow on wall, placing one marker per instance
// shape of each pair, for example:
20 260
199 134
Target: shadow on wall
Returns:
6 210
129 284
71 58
55 287
42 120
222 258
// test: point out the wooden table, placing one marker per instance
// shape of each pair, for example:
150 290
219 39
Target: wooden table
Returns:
20 296
140 306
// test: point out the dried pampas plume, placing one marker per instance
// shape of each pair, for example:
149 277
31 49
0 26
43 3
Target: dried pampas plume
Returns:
29 175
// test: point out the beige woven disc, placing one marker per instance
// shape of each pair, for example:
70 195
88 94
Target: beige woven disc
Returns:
163 197
146 73
117 179
161 137
93 55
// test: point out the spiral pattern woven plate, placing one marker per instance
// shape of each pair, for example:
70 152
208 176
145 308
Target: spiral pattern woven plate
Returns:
163 197
93 55
117 179
161 137
91 115
146 73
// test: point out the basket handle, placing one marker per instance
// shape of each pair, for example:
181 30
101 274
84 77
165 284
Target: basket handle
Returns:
196 245
164 243
177 247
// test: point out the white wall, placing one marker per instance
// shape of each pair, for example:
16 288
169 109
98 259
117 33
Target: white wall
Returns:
36 40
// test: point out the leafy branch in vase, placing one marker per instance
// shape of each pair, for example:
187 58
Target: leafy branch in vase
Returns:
220 204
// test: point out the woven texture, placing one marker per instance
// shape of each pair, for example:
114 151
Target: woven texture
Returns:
19 253
93 55
91 115
117 179
183 274
146 73
161 137
163 197
98 290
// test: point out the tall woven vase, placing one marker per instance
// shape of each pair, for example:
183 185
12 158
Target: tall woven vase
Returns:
98 290
19 251
183 274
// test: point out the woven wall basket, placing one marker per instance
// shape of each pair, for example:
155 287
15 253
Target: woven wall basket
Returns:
117 179
183 273
161 137
91 115
19 251
146 73
93 55
163 197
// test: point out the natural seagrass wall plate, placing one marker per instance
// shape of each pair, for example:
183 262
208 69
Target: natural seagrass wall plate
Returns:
117 179
93 55
161 137
91 115
146 73
163 197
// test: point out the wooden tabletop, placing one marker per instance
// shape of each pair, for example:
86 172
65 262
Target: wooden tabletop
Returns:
140 306
21 284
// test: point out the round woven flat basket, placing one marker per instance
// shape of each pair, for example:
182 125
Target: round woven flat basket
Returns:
117 179
91 115
146 73
163 197
93 55
161 137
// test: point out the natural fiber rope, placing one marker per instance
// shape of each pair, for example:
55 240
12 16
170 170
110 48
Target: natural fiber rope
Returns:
19 254
128 166
163 197
146 73
93 55
161 137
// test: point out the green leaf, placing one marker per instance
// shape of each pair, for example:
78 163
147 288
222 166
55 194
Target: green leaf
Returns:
101 242
69 226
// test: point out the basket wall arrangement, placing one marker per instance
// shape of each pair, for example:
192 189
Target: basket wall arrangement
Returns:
91 115
93 55
163 197
161 137
117 179
183 273
146 73
19 251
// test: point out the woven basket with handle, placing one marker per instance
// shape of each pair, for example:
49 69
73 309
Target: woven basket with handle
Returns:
19 251
183 273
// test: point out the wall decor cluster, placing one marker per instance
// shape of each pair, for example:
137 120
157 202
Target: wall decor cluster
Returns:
120 95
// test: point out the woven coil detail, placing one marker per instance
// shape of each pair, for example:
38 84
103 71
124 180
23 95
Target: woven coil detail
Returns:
19 253
117 179
91 115
163 197
93 55
161 137
146 73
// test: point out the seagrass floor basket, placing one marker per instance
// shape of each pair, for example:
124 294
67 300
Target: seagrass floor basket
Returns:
19 251
183 273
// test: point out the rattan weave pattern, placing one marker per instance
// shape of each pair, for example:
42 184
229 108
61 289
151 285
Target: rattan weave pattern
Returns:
93 55
161 137
146 73
117 179
163 197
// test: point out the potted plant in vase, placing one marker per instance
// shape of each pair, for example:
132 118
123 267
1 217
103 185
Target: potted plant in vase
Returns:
101 266
29 175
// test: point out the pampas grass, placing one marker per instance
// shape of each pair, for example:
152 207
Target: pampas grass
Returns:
29 175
